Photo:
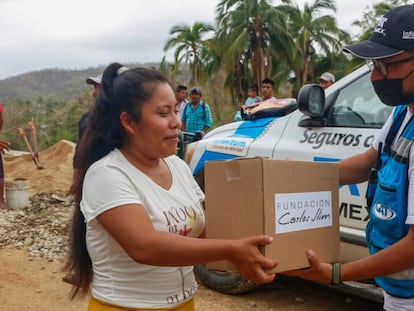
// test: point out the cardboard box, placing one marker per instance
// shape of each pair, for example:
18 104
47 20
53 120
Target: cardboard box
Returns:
295 202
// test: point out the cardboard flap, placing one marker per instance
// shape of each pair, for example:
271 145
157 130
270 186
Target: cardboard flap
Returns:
235 199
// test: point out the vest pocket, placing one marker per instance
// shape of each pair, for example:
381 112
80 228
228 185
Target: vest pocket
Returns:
388 221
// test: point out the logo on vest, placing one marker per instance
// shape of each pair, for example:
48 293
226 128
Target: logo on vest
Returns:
383 212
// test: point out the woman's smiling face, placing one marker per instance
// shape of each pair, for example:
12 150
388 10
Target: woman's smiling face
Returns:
155 135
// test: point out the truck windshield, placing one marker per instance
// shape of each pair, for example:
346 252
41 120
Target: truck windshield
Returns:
357 105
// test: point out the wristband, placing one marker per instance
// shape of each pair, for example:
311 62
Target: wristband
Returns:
336 273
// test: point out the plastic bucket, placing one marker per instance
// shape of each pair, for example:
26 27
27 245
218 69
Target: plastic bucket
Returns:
17 192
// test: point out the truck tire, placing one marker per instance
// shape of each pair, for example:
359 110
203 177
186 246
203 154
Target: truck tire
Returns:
223 282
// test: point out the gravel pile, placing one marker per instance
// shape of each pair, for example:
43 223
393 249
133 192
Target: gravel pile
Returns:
41 228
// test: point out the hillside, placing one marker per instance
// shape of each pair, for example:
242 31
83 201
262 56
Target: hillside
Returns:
55 85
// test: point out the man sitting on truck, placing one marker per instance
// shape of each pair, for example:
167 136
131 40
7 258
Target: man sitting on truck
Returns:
267 90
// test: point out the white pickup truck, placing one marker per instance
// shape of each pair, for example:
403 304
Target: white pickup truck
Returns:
315 128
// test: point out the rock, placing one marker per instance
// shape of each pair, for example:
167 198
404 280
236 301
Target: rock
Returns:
28 241
252 303
41 228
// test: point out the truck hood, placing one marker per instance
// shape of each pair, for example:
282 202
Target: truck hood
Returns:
227 142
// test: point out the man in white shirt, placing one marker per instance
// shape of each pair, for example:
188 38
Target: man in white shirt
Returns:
181 95
326 80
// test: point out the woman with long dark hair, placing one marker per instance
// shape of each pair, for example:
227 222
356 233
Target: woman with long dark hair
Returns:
139 210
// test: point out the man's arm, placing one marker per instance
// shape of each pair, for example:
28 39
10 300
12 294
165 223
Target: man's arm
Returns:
357 169
209 119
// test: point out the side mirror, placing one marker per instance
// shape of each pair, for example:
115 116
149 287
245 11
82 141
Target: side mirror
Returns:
311 100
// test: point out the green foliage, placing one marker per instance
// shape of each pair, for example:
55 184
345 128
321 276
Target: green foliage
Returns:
54 121
189 42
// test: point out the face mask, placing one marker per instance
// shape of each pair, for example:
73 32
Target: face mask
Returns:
390 91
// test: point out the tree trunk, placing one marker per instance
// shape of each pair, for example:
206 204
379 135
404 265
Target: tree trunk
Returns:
258 66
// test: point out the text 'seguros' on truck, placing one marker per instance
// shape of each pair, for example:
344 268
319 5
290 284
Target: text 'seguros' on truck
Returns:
324 126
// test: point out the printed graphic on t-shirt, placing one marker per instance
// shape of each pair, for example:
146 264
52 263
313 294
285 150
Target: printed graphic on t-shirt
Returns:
184 220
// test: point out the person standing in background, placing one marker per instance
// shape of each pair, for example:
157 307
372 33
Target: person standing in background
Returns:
326 80
197 114
96 83
181 97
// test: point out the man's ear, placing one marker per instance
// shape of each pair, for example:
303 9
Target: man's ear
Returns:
127 122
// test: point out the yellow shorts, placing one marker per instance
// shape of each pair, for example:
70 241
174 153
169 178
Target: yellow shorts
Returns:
97 305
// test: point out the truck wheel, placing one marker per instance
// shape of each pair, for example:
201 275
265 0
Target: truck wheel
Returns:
223 282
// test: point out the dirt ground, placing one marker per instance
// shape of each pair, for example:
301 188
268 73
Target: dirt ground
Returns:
57 168
35 284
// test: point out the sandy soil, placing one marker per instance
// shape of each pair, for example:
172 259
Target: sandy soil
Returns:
35 284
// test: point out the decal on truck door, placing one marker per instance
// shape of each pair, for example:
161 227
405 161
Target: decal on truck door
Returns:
235 145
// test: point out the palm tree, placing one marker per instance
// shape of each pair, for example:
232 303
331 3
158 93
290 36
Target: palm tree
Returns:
244 29
311 33
188 43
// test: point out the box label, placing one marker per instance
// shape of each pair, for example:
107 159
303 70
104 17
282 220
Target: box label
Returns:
302 211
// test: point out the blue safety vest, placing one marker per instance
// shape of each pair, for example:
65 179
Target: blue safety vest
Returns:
388 211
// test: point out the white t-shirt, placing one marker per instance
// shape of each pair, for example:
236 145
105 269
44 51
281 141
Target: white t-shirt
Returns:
392 303
117 278
270 99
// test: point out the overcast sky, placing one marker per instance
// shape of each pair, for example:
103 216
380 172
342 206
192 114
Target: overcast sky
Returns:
76 34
